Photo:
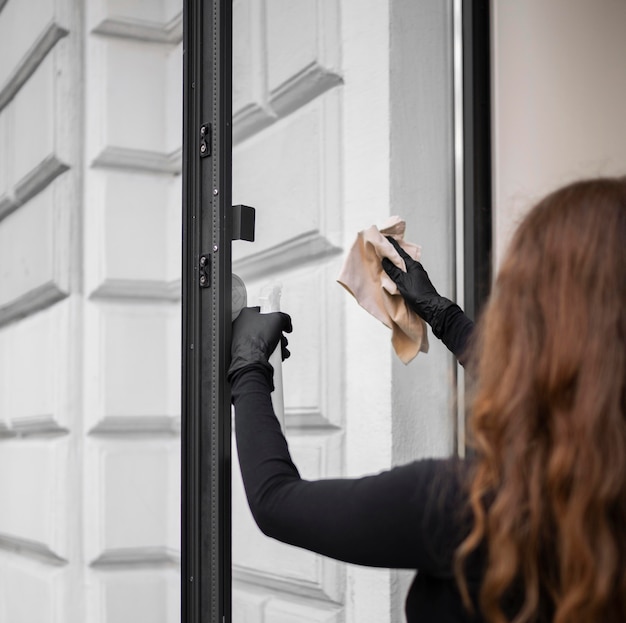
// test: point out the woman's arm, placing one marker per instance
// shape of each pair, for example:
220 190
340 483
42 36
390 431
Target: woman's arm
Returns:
407 517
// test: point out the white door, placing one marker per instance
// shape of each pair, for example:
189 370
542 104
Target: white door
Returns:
131 350
39 309
326 117
286 163
90 136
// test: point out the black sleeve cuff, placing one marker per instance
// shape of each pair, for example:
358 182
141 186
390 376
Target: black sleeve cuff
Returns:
455 329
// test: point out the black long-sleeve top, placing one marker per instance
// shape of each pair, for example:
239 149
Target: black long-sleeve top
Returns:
410 517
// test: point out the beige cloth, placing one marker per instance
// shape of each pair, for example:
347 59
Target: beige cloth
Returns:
363 276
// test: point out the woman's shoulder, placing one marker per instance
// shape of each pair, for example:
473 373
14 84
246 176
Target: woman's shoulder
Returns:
440 492
438 509
448 476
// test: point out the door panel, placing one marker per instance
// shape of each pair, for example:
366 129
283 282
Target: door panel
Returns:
31 591
342 117
90 193
39 309
291 171
30 523
286 163
131 487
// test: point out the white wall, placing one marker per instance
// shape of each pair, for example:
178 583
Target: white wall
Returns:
559 100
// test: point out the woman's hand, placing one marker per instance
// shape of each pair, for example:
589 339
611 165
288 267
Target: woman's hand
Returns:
417 289
256 336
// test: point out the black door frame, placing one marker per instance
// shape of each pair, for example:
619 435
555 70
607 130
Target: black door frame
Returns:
206 593
477 178
206 312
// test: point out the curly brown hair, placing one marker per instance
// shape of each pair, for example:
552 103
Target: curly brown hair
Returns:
548 416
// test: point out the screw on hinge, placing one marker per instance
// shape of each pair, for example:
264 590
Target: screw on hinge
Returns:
205 140
204 272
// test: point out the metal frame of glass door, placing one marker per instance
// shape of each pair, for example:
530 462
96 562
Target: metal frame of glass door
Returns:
206 312
206 279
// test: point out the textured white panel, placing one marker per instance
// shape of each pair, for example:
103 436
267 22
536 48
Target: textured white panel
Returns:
133 501
129 596
291 174
27 248
292 38
132 245
246 59
34 119
34 478
313 375
302 51
29 592
285 54
20 25
36 254
132 363
250 97
260 559
129 98
37 371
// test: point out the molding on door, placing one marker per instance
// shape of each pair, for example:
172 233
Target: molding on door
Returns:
321 591
139 30
31 549
36 180
309 419
125 425
38 426
303 249
139 160
301 88
135 289
39 298
29 63
136 557
250 120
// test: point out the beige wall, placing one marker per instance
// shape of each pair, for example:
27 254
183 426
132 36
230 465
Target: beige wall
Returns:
559 99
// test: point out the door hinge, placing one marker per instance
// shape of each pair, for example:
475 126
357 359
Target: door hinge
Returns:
205 140
204 271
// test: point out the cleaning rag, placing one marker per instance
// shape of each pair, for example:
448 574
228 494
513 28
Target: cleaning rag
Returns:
363 276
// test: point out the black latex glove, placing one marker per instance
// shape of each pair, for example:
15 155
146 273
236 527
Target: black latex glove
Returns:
417 290
255 337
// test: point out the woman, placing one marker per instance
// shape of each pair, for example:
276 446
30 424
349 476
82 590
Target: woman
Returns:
533 527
